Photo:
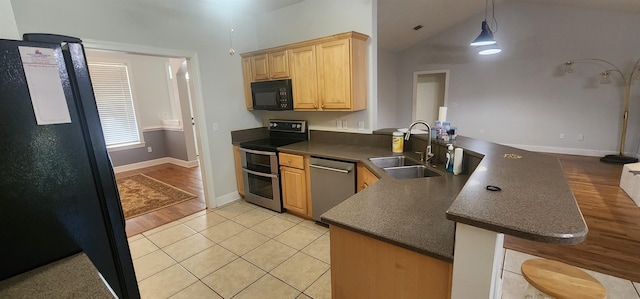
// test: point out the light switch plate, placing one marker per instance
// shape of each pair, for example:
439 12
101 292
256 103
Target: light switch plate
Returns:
361 125
345 124
339 124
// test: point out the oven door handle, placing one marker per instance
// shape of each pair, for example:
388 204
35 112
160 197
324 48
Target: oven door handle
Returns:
257 152
259 173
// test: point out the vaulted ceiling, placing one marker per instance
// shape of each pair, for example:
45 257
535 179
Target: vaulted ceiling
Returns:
396 18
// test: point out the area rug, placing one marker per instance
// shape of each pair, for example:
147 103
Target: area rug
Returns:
141 194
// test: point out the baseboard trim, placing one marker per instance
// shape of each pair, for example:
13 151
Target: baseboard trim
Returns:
183 163
155 162
227 198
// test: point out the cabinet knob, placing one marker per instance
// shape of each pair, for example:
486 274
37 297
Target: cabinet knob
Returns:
322 106
315 106
289 162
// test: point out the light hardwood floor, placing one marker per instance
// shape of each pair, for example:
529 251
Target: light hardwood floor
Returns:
613 241
188 179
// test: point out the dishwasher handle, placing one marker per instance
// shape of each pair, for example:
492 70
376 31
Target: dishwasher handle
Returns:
330 168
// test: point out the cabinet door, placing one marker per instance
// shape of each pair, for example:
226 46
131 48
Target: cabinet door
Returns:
278 65
294 189
334 75
304 78
238 163
259 67
364 177
246 75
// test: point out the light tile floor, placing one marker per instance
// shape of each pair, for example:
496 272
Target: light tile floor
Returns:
236 251
244 251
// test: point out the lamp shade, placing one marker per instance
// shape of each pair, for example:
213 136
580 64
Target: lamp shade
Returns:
485 37
489 49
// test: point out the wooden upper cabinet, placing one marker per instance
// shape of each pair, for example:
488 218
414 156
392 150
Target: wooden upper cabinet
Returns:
304 78
328 73
278 65
246 75
334 75
270 66
260 67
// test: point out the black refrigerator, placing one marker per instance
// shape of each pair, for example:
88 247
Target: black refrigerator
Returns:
58 194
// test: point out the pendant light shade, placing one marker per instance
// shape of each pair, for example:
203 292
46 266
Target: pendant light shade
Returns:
489 49
485 38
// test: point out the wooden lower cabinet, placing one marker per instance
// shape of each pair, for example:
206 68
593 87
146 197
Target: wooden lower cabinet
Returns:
238 163
365 177
364 267
294 191
294 179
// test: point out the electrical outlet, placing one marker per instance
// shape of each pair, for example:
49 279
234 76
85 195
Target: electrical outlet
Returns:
561 135
339 124
581 137
215 126
345 125
149 149
361 125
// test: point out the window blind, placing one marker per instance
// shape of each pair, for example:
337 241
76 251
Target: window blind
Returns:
115 104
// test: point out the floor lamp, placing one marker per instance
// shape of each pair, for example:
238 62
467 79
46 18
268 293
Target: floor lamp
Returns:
605 79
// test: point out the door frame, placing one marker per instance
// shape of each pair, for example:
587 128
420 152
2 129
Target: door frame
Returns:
202 142
415 88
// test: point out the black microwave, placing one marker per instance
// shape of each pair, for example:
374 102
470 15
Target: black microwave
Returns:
272 95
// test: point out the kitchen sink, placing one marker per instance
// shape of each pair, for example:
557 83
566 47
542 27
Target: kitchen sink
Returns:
411 172
393 161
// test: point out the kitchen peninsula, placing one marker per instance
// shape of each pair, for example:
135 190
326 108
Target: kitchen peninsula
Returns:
415 219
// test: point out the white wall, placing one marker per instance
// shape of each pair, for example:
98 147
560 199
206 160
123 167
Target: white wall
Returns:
516 97
188 26
8 27
387 89
317 18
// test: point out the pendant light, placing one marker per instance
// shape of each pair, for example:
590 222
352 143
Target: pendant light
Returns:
489 49
485 38
485 42
231 50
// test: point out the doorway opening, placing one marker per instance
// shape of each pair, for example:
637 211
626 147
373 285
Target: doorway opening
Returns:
162 87
429 93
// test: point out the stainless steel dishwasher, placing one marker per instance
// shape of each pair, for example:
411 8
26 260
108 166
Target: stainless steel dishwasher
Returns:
331 183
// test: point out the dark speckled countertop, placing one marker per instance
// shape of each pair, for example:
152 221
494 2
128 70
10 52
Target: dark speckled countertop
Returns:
535 203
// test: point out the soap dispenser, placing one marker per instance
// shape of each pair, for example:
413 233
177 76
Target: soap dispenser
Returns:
449 158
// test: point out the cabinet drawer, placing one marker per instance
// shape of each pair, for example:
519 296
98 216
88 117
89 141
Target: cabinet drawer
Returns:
290 160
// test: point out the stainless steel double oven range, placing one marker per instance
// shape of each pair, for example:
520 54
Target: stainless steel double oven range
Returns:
260 170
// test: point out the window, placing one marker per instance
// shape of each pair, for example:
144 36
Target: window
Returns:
115 103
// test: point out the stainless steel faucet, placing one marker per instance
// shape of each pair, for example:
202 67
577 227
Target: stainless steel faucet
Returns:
407 135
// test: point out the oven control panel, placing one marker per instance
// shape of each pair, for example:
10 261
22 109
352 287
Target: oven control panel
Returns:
293 126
